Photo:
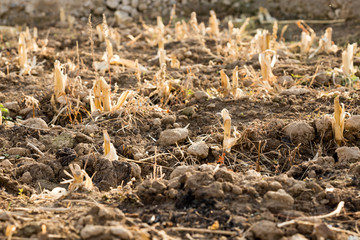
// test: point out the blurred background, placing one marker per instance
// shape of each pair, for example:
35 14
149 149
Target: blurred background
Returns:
43 12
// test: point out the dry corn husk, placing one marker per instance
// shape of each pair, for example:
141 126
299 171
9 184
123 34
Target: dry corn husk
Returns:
109 149
59 82
47 195
228 140
348 60
338 121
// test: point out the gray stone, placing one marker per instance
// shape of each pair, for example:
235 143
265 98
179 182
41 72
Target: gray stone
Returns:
90 231
6 164
264 230
12 106
121 232
353 123
134 3
277 201
199 149
173 136
36 123
121 17
300 132
295 91
348 154
201 96
112 4
18 151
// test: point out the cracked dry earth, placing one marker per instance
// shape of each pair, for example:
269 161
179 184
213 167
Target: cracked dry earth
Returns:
172 179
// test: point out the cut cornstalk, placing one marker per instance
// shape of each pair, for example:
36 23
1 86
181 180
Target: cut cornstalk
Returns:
59 82
338 121
228 140
266 63
225 82
109 149
348 60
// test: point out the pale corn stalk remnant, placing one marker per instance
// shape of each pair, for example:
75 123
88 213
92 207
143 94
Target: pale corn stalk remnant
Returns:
77 179
109 149
262 40
62 15
174 62
348 60
338 121
102 97
213 24
22 51
59 82
162 57
194 23
179 31
267 63
225 83
228 140
326 42
0 117
307 37
236 91
100 29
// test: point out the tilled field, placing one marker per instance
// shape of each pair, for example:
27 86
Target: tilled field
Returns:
179 130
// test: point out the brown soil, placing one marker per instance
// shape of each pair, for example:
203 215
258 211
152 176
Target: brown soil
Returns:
285 166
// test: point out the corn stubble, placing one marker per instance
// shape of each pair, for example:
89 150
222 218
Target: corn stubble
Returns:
338 121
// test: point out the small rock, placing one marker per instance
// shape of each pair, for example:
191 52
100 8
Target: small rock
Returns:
224 174
353 123
201 96
188 111
91 231
121 232
285 81
277 201
112 4
168 120
12 106
172 136
295 91
298 236
199 149
159 186
324 127
19 151
122 17
156 121
300 132
322 78
82 138
134 3
26 178
348 154
6 164
90 129
36 123
264 230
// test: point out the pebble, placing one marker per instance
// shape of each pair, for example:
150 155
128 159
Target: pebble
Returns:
112 4
121 232
91 231
353 123
173 136
168 120
199 149
121 17
6 163
277 201
201 96
348 154
26 178
37 123
12 106
264 230
19 151
300 132
295 91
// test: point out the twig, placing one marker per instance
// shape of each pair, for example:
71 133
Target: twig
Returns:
203 230
303 219
33 147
